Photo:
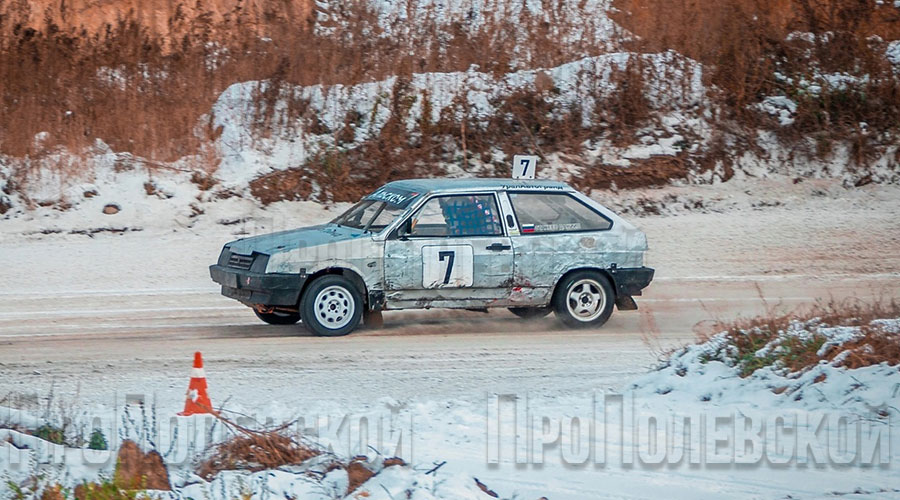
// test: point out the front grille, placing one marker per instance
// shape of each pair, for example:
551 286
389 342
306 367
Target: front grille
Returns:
239 261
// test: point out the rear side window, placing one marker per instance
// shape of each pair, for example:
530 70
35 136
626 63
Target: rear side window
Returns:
555 213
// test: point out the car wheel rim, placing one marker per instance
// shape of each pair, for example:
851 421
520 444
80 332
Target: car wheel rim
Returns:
586 300
334 307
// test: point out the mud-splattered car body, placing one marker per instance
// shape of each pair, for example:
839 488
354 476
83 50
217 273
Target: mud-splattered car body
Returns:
467 243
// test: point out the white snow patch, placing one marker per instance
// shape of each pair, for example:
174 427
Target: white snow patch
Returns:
892 52
707 371
780 107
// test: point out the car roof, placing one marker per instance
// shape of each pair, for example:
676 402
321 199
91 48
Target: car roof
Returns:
431 185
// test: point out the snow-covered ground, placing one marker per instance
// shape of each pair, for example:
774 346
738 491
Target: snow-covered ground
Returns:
95 320
691 429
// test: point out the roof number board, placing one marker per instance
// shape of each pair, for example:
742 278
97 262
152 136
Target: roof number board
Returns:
524 166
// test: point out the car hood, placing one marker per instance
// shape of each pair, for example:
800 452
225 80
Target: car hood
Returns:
285 241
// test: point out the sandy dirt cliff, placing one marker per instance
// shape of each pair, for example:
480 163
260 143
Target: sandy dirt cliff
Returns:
164 17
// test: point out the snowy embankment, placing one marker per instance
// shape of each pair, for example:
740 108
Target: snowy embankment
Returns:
84 184
302 122
676 91
807 409
809 365
63 179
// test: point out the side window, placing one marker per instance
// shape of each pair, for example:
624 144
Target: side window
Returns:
554 213
460 215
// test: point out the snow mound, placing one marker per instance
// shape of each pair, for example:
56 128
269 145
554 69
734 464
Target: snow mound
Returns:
312 482
719 372
32 464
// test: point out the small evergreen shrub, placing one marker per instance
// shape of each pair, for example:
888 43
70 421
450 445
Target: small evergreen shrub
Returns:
97 441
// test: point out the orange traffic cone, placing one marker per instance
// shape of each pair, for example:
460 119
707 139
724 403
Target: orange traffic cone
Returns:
197 399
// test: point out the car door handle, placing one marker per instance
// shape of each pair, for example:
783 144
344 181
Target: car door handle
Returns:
498 247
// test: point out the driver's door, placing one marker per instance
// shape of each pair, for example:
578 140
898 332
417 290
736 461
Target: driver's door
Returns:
452 252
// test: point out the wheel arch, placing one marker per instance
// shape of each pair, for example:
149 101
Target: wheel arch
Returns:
603 272
348 273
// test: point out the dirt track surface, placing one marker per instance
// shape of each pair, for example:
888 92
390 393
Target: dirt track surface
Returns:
124 313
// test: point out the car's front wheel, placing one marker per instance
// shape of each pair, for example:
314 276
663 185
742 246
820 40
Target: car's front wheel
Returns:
584 299
278 317
331 306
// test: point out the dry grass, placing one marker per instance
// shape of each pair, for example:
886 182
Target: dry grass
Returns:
54 492
745 337
255 450
37 487
144 87
651 172
745 43
525 120
875 347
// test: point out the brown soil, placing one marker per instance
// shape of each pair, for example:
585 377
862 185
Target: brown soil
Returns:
358 474
391 462
171 20
140 471
203 180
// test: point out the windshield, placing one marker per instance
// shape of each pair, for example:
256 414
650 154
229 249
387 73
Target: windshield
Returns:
369 215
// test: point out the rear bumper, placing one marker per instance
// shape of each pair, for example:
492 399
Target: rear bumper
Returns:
631 280
258 288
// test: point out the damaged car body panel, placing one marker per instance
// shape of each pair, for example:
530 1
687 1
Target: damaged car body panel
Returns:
466 243
543 255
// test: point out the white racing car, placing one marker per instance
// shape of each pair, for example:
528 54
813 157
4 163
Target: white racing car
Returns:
530 246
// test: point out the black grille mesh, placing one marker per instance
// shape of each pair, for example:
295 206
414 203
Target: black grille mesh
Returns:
239 261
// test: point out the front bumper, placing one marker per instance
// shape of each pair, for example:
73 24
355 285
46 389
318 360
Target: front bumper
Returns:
258 288
631 280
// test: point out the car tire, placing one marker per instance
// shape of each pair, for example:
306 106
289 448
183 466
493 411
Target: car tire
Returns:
530 312
584 299
278 317
331 306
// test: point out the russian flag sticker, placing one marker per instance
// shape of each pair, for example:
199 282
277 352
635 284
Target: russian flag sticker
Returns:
527 228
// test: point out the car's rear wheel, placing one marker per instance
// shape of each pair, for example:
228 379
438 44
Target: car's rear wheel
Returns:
584 299
331 306
530 312
278 317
